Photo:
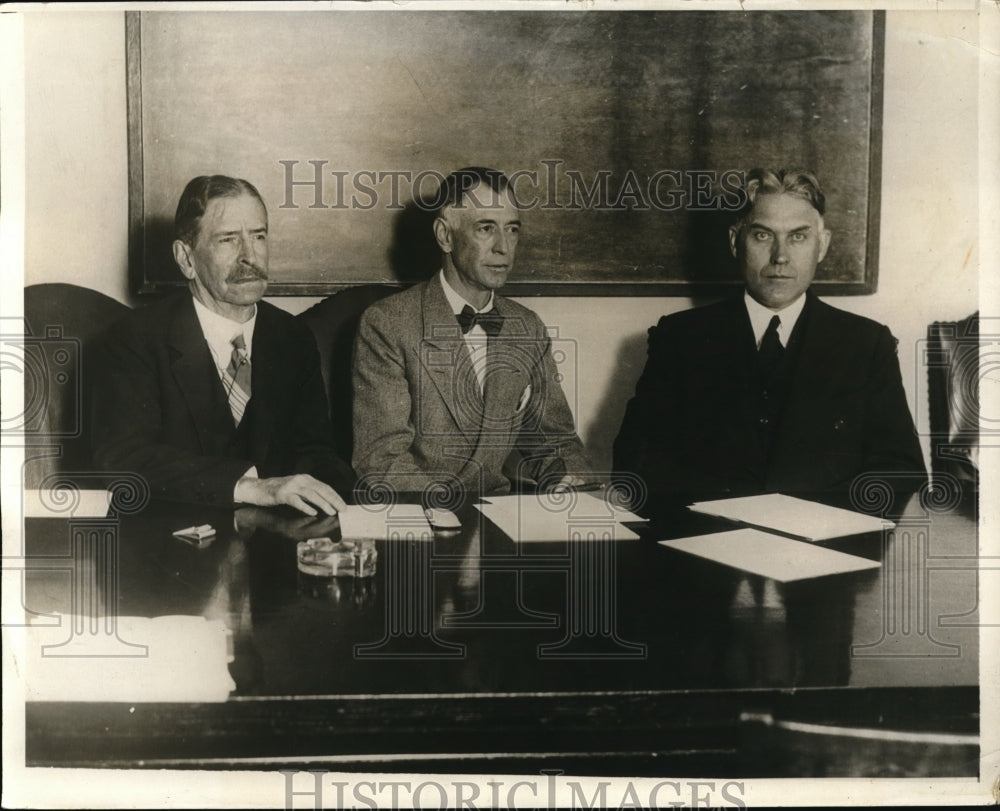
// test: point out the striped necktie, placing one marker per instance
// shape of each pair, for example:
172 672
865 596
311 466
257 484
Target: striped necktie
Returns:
238 378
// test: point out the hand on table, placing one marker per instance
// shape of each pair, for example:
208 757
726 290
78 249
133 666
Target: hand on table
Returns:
301 491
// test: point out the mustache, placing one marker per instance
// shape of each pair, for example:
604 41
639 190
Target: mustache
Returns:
245 272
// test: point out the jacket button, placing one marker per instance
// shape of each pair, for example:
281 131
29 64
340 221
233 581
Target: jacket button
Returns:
763 420
838 425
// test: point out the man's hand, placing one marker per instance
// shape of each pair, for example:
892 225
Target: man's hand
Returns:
301 491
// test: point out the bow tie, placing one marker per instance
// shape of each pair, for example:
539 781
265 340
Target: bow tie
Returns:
491 321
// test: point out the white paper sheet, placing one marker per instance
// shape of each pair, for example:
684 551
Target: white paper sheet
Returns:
396 522
172 658
793 516
773 556
620 513
66 503
577 516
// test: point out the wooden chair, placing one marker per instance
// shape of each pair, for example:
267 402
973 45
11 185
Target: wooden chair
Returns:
62 322
334 324
953 398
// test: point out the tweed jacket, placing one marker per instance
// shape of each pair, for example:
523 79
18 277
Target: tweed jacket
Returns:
420 416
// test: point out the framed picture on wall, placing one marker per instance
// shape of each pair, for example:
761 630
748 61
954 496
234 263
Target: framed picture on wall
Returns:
626 135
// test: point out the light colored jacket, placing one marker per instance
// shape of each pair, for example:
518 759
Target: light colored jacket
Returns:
420 417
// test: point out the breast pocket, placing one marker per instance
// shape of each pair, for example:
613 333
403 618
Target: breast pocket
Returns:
840 430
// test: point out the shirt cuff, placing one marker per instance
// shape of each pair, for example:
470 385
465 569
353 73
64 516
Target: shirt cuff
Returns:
250 474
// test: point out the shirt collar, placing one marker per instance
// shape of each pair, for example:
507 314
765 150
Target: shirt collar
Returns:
455 300
760 317
219 332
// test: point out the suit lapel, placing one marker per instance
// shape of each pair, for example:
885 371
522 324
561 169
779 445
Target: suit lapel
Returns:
732 354
508 369
196 376
265 370
817 349
816 355
756 456
446 361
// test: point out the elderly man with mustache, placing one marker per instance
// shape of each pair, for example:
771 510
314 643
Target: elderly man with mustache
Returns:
213 395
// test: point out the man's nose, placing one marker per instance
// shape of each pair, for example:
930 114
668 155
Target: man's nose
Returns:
779 254
246 250
502 243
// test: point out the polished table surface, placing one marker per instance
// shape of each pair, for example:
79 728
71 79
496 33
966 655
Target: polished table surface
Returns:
473 652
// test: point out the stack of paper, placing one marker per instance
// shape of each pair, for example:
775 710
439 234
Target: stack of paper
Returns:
773 556
793 516
404 522
175 658
569 516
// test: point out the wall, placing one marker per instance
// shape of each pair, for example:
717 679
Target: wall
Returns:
77 212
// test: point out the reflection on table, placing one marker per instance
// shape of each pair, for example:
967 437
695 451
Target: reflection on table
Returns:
630 628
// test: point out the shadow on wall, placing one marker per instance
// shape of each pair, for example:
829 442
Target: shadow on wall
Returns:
414 254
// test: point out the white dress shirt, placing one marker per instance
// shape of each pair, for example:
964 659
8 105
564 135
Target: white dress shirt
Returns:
219 332
476 338
760 317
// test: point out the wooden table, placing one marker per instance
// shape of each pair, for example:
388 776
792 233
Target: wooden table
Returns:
472 653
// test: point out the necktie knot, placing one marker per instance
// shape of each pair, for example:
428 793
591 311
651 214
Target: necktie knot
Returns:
773 326
771 350
491 321
239 347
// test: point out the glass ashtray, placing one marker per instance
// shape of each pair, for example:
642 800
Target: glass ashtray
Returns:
322 557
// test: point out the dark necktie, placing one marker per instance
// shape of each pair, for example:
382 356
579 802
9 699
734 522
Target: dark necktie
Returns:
490 321
238 378
771 351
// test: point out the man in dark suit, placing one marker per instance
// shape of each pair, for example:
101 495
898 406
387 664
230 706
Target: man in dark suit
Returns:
450 378
773 390
214 395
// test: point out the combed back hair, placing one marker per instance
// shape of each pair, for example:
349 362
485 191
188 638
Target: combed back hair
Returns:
797 182
196 196
457 185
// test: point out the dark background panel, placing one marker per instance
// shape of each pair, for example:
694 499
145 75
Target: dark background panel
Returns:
586 104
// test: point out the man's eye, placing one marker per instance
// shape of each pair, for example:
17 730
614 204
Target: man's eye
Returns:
798 237
514 230
761 236
260 237
486 228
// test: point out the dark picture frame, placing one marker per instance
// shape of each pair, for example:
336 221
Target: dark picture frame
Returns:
325 110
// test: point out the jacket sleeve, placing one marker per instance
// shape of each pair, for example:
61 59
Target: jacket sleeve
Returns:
644 446
548 442
314 448
891 445
384 432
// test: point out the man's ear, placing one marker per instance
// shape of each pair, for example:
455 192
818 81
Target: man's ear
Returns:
442 234
182 256
824 243
734 233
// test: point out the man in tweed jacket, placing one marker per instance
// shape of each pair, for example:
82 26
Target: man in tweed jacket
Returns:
450 378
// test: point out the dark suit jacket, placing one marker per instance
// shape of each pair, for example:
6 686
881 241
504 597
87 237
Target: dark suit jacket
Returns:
692 429
419 416
160 409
